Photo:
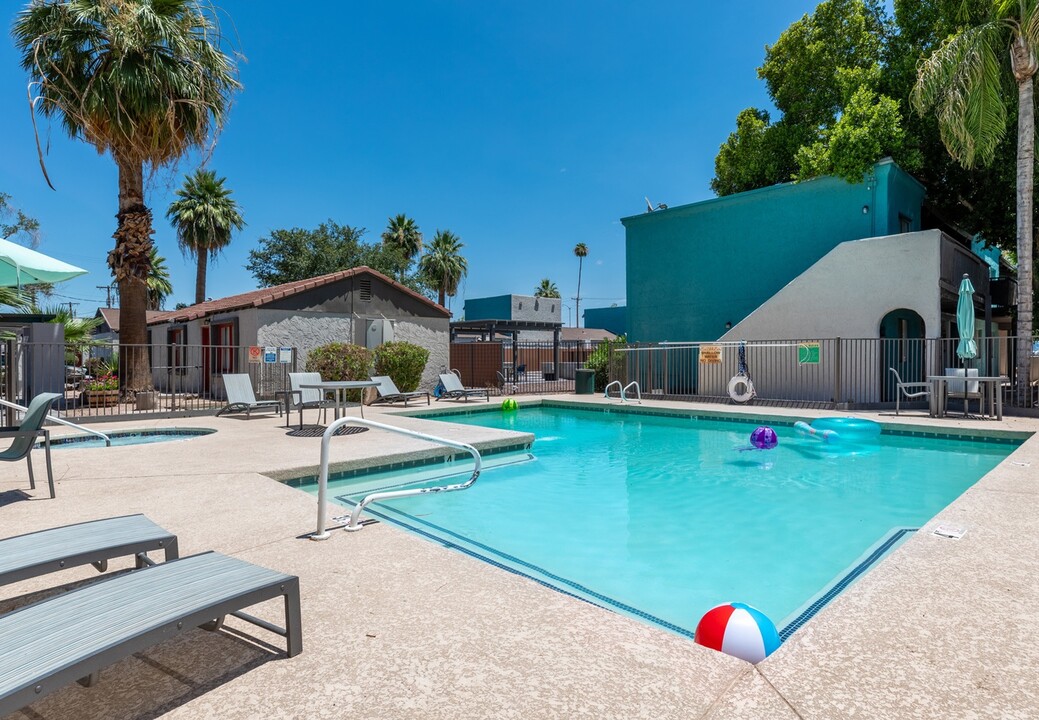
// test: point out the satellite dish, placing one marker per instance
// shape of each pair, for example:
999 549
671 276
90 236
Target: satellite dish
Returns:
649 205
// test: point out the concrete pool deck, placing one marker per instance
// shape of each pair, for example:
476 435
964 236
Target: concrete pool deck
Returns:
398 627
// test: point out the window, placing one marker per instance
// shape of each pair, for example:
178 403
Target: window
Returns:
905 224
177 340
225 340
365 287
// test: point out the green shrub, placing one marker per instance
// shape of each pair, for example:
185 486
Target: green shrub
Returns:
403 362
599 361
341 361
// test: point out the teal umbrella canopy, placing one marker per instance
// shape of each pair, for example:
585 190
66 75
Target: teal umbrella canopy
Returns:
21 266
967 348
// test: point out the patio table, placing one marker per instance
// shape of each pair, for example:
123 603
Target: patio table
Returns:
339 387
991 388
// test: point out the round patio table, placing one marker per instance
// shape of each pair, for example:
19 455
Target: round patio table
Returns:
339 387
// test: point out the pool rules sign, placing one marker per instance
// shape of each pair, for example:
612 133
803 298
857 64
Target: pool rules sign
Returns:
808 353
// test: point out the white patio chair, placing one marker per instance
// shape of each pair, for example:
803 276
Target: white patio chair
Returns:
911 390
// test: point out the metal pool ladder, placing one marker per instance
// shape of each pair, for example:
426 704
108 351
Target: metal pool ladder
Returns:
624 390
54 419
354 523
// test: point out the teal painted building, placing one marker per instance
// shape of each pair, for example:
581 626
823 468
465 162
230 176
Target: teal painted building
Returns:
695 270
614 319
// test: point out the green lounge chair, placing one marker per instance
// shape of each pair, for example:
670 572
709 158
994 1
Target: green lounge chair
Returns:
72 636
25 437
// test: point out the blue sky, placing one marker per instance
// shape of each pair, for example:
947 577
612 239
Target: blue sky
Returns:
524 128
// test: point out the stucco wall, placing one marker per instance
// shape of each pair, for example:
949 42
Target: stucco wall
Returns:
691 269
435 336
302 330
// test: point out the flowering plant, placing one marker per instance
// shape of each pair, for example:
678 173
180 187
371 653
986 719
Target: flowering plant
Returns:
108 381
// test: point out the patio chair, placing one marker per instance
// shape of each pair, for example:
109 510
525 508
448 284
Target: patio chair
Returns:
25 437
95 543
453 389
301 398
241 398
910 390
72 636
964 389
388 392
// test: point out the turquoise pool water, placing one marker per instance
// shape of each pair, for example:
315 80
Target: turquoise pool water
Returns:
128 437
665 517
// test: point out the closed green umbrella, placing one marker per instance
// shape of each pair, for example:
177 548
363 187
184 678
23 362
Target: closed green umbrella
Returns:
967 348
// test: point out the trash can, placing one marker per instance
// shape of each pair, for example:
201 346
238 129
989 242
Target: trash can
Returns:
585 382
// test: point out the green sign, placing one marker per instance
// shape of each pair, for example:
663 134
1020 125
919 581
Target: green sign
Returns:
808 353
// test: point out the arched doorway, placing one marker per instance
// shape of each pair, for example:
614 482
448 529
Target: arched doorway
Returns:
902 347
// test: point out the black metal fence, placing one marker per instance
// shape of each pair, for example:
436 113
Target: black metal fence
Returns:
829 373
184 379
508 368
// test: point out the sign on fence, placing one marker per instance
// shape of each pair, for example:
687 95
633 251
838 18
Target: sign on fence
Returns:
808 353
270 354
285 355
710 354
255 353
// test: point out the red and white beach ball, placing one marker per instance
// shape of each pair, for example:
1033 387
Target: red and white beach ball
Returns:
739 630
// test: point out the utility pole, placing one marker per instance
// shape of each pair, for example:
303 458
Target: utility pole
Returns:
108 290
71 312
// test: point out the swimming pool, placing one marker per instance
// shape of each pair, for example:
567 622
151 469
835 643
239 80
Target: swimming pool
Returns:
665 517
129 437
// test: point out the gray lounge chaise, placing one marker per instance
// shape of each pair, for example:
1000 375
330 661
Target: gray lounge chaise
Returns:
241 398
453 389
74 635
95 542
388 392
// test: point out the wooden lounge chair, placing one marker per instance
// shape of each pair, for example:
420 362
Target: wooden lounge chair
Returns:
241 398
388 392
453 389
25 437
72 636
95 542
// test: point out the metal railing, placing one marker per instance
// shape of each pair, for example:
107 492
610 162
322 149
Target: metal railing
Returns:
180 379
829 373
507 368
60 421
355 516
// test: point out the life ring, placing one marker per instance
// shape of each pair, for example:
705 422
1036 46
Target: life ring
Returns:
748 388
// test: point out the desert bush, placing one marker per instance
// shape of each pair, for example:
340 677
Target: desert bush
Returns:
341 361
599 361
403 362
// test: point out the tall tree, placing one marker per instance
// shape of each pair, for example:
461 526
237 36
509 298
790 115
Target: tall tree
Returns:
293 254
204 216
443 266
145 81
581 251
159 285
964 80
402 234
546 289
16 225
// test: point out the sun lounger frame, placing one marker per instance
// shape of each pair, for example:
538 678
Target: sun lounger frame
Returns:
155 587
45 551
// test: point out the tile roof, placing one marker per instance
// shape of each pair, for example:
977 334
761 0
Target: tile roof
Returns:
571 334
111 316
262 296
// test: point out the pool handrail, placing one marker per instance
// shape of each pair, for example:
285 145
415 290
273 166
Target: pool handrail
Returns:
629 386
59 421
619 388
322 487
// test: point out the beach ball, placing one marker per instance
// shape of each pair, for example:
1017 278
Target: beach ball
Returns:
509 404
739 630
764 438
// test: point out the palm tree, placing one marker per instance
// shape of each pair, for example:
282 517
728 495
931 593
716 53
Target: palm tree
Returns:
546 289
581 251
159 285
964 79
143 80
402 234
204 214
442 266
